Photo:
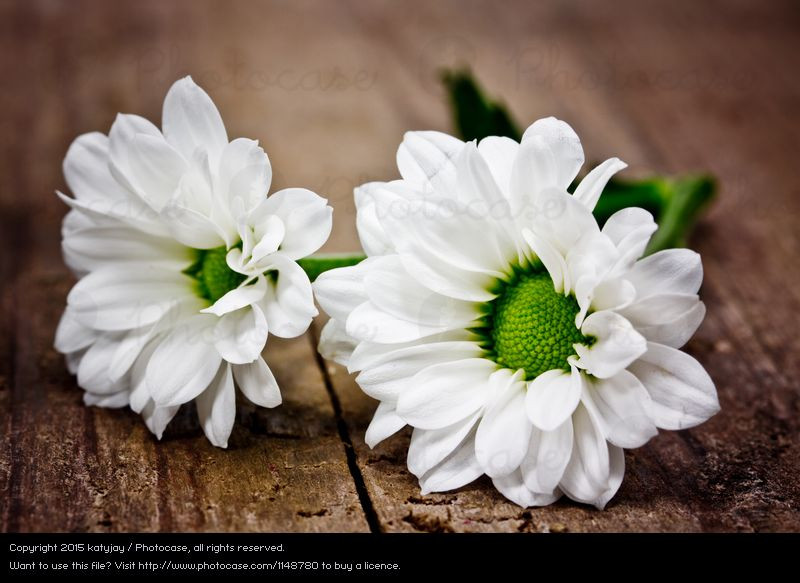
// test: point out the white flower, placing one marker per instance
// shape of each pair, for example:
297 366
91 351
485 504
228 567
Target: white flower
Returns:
514 335
185 265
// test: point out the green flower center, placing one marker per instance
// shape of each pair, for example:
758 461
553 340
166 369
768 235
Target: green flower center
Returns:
213 278
530 326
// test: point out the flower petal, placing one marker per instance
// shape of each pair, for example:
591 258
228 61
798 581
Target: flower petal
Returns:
672 271
501 441
157 418
112 401
240 336
552 397
216 407
533 170
306 216
429 447
442 394
244 173
373 238
384 423
191 121
288 303
388 376
341 290
620 406
334 342
425 159
459 468
71 335
183 364
513 487
500 153
257 383
630 230
548 454
563 142
670 319
390 288
595 471
371 324
617 344
591 187
682 393
239 297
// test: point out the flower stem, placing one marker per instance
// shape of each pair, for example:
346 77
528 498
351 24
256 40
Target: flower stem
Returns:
319 263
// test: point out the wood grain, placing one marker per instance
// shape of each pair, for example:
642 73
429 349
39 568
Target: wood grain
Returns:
329 88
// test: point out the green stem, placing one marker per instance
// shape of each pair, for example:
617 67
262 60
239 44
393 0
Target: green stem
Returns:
314 265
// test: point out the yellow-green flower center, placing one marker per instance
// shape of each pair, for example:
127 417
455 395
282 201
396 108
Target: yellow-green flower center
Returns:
530 326
213 278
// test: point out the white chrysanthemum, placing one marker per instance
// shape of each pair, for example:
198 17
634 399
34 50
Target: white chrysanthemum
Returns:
185 265
514 335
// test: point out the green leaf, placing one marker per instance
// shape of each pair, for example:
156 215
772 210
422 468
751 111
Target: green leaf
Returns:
675 202
314 265
475 115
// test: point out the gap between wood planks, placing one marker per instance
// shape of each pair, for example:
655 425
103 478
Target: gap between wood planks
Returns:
344 434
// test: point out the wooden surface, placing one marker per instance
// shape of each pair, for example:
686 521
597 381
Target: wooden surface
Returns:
329 88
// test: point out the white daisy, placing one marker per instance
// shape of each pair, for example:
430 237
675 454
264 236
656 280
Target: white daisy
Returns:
514 335
185 265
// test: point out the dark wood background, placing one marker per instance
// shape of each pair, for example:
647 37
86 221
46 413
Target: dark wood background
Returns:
329 88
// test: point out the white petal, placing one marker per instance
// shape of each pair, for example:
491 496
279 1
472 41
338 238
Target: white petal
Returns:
390 288
504 431
71 335
240 336
112 401
339 291
183 364
385 423
93 369
216 407
86 172
552 397
514 488
617 344
459 468
190 227
425 159
442 394
335 344
445 231
95 247
154 169
386 377
274 232
429 447
591 187
257 383
140 395
682 393
288 303
561 219
672 271
669 319
190 120
307 219
551 258
369 323
547 457
157 418
595 470
630 230
534 169
500 153
126 297
613 294
239 297
620 406
128 350
244 173
373 238
564 143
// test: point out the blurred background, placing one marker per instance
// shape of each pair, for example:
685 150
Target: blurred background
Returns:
329 88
